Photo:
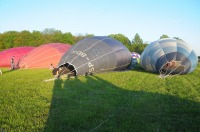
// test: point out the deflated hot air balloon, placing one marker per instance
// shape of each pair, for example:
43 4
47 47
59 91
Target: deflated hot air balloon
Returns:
169 56
94 55
44 56
135 59
17 52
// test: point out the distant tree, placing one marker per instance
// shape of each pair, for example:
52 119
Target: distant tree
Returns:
177 38
23 38
56 36
37 38
137 39
139 48
80 36
164 36
7 39
67 38
122 38
50 31
138 45
2 46
51 35
60 37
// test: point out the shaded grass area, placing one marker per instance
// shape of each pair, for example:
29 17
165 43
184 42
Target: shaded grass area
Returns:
118 101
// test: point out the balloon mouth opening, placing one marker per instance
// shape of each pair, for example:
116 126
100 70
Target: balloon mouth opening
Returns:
67 69
172 67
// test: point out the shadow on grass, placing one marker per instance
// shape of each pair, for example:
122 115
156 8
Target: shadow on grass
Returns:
93 104
7 71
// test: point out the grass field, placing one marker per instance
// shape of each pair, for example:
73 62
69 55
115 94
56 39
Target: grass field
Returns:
117 101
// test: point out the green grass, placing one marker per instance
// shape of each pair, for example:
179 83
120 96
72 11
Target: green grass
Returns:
117 101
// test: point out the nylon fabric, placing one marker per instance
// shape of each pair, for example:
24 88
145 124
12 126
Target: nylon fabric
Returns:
96 54
166 51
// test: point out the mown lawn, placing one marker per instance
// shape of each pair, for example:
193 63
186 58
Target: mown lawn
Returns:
117 101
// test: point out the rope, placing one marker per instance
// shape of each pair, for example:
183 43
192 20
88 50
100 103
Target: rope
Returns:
51 79
178 73
108 118
166 75
160 71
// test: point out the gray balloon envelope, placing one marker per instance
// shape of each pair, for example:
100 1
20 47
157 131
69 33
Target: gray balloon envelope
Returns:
96 54
174 56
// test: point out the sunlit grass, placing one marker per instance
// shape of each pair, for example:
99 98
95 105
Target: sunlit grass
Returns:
117 101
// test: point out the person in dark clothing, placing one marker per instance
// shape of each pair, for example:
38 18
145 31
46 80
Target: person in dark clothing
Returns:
57 72
12 63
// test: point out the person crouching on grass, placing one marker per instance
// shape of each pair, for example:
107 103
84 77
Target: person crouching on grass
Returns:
57 72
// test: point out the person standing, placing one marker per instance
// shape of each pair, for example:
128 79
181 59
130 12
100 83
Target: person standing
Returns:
12 63
51 67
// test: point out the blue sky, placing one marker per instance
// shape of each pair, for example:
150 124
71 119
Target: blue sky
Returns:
149 18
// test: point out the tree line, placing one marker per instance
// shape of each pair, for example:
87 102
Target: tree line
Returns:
12 39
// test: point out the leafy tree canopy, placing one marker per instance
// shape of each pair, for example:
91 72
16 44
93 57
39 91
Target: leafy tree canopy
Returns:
164 36
80 36
122 38
11 39
177 38
137 39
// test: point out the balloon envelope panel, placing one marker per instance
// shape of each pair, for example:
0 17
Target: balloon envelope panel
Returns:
171 55
17 52
44 55
96 54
